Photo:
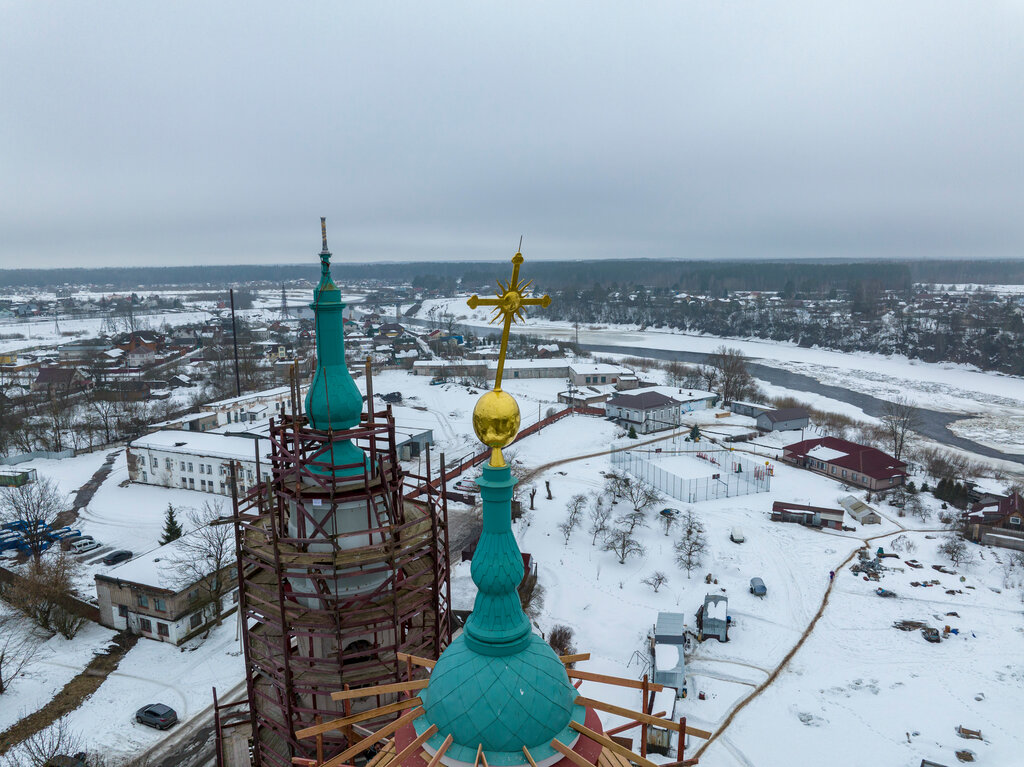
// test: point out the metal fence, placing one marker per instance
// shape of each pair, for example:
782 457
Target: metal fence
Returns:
729 475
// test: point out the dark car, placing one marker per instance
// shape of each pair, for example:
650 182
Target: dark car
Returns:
114 557
156 715
930 633
78 760
757 587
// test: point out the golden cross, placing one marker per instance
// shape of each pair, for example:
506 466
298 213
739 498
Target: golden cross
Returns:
509 303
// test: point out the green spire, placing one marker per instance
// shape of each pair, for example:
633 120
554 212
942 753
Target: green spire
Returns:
498 684
333 402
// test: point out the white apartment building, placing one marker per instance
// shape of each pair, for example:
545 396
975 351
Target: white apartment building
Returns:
197 460
250 408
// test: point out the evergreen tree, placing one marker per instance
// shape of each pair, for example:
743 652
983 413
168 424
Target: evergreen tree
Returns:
172 530
632 433
695 433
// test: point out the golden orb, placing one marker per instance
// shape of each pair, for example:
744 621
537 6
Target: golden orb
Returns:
496 418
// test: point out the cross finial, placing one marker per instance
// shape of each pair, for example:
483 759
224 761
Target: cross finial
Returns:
509 303
323 233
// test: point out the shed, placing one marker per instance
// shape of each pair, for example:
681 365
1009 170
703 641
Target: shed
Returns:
751 409
860 511
713 618
784 419
667 651
670 628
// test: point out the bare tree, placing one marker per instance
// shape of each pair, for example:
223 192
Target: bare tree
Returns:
40 748
668 521
202 556
655 580
917 508
690 549
641 495
17 649
621 541
631 520
575 507
899 418
956 549
733 380
600 513
44 592
36 505
561 640
615 484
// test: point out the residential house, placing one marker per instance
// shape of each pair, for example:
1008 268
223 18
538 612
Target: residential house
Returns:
783 419
62 381
997 521
154 596
645 411
583 373
847 462
808 516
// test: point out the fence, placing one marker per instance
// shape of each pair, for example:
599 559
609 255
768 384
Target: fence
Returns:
14 460
729 475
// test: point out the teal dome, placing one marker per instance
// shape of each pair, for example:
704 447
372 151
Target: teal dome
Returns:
498 685
500 702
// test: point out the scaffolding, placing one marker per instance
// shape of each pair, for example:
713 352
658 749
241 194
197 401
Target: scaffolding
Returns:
339 573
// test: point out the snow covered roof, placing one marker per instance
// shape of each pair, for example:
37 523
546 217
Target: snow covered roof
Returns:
157 568
598 368
715 609
825 453
550 362
207 444
666 656
280 391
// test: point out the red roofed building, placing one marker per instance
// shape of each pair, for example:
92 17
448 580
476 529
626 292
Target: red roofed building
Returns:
847 462
998 521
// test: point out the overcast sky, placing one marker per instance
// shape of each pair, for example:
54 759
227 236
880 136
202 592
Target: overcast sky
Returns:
213 132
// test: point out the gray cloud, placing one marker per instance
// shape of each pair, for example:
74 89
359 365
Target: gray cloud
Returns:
201 133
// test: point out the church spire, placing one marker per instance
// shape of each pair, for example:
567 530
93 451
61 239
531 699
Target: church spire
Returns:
333 402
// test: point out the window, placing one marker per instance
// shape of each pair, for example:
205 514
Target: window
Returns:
844 472
183 466
168 464
161 629
145 626
191 484
833 469
144 477
155 462
248 477
159 604
195 621
588 379
202 484
190 465
143 600
184 482
602 379
209 469
122 610
1015 521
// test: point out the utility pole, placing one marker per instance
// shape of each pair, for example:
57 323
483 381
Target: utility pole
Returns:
234 341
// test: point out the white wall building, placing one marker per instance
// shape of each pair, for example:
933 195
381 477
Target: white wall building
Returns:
196 460
250 408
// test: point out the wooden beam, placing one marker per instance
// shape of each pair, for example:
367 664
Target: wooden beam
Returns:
529 757
578 657
479 751
380 689
590 676
611 745
415 745
415 659
368 741
629 726
373 713
440 752
575 758
641 717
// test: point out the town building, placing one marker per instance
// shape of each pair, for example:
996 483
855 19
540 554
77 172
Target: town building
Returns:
847 462
249 408
583 373
784 419
154 596
808 516
197 461
997 521
749 409
646 411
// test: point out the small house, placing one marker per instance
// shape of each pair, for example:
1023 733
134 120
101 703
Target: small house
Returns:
860 511
808 516
847 462
667 652
784 419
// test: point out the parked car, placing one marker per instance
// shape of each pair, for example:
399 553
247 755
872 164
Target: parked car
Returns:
736 536
669 512
757 587
156 715
65 533
78 760
116 557
82 545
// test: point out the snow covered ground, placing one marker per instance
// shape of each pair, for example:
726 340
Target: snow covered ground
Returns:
992 397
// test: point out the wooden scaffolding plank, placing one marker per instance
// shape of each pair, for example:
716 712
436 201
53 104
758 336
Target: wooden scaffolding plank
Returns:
611 745
575 758
380 689
373 713
440 752
589 676
422 738
365 743
639 716
415 660
577 658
